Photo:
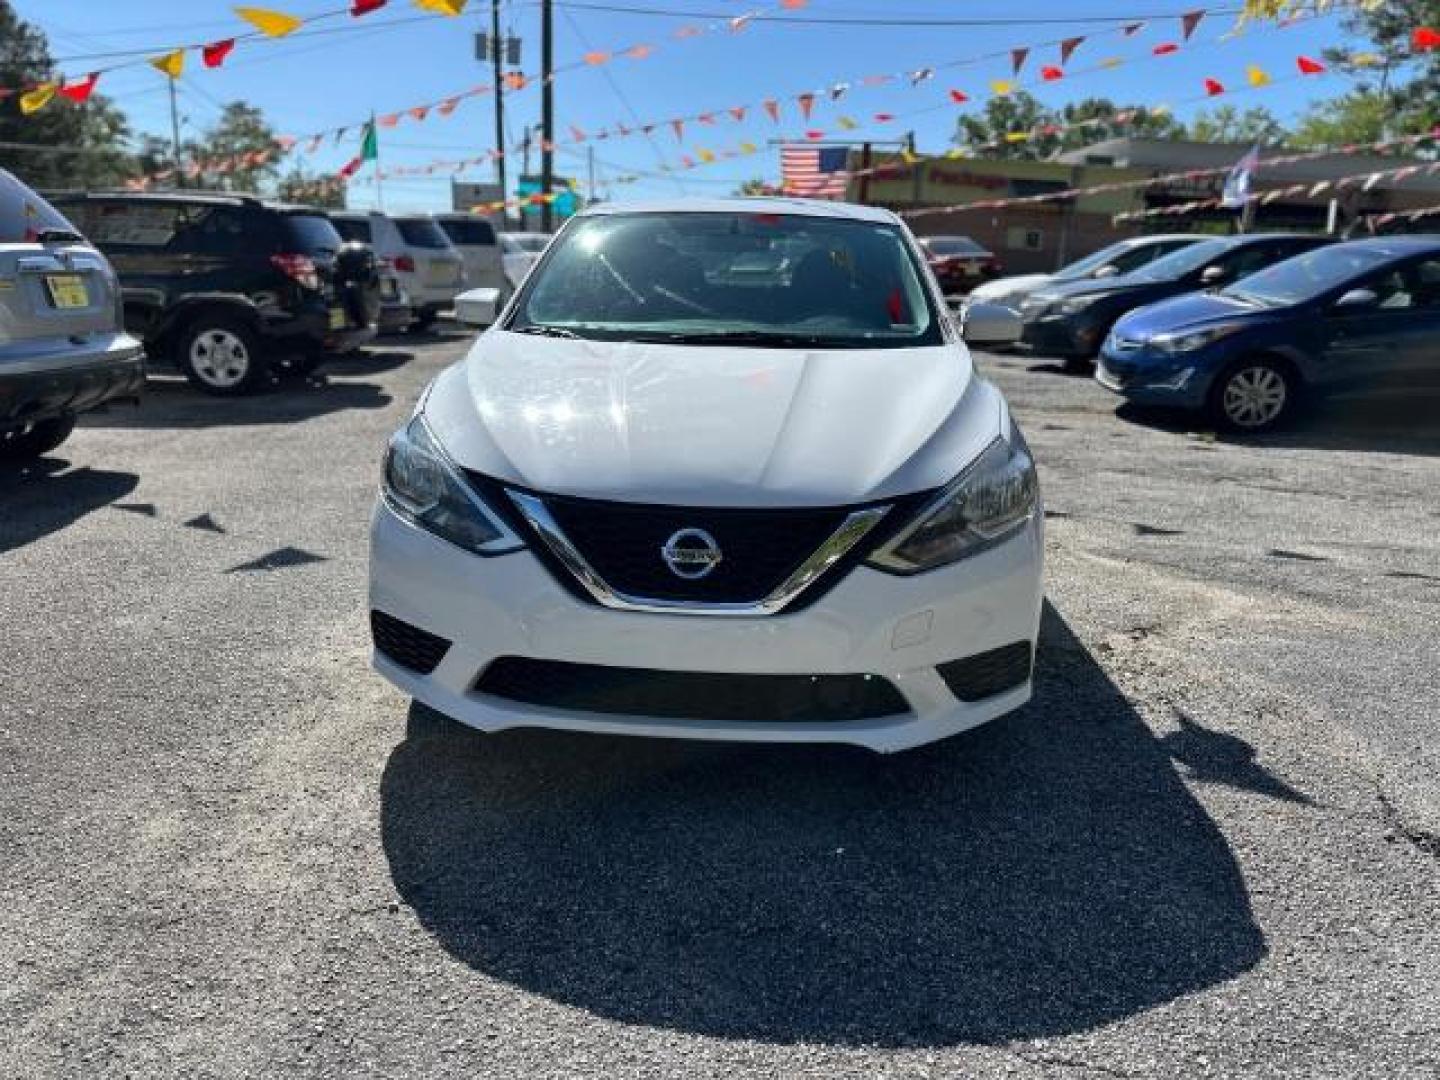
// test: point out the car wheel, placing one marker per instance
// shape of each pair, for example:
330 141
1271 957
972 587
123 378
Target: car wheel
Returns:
35 440
220 355
1254 394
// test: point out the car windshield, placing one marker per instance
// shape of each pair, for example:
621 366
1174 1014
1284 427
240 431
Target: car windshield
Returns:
522 243
311 232
357 229
421 233
1307 276
473 233
1179 263
26 218
763 279
952 245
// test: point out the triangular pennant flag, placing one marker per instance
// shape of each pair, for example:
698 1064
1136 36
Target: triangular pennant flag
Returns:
442 7
838 90
1017 136
448 106
748 148
1068 47
1424 39
792 5
314 143
846 123
270 23
883 117
365 7
516 80
1111 62
36 98
420 112
1017 59
738 112
172 63
1165 48
1188 22
1051 74
1001 87
390 120
577 134
595 59
215 53
639 52
1214 87
806 103
706 118
739 22
679 126
959 97
920 75
814 135
1308 66
80 91
1364 59
1256 76
707 156
1131 29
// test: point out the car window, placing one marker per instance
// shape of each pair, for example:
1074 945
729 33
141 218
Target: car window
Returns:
311 233
1247 260
1308 276
219 232
140 223
523 243
789 280
1425 284
1177 264
471 233
952 245
24 215
356 229
421 233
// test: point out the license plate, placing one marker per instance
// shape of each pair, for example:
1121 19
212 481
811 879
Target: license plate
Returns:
67 290
337 318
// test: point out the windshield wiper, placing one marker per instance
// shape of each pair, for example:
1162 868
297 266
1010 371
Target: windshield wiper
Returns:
754 337
546 331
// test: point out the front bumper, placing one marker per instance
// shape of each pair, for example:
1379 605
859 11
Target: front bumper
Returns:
871 623
1063 335
1150 382
40 386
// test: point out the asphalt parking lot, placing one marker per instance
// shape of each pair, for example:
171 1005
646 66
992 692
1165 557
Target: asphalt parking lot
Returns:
1210 847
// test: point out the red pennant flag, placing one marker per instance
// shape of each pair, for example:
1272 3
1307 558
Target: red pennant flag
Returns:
577 134
448 106
1214 87
1068 47
80 91
420 112
389 121
1165 48
1308 66
814 135
1018 58
365 7
807 102
738 112
773 108
959 97
1189 21
884 117
679 126
215 53
1051 74
706 118
1425 38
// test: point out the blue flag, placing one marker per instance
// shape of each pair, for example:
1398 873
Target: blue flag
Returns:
1237 184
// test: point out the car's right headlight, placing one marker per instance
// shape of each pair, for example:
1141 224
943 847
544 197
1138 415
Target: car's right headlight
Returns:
424 487
985 505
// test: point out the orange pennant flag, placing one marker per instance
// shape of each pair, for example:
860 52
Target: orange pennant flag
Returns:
773 108
172 63
270 23
639 52
807 102
595 59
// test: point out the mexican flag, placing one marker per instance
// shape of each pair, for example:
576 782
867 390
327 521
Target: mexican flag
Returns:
369 151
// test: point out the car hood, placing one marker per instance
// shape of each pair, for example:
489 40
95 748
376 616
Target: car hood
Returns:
1006 287
712 425
1191 311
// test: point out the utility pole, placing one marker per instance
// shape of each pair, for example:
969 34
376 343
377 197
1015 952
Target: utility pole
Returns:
175 135
495 47
547 111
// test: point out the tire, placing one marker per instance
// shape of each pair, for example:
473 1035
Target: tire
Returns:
1254 394
220 354
37 440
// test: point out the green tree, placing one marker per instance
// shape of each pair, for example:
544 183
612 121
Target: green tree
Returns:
242 129
313 189
1078 124
1227 124
1409 86
756 186
1360 116
88 140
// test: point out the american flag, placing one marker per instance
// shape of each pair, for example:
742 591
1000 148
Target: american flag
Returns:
814 172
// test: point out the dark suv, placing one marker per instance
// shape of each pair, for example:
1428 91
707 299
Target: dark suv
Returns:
227 286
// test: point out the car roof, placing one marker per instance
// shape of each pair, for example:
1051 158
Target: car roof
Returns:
769 204
207 198
1398 247
1163 238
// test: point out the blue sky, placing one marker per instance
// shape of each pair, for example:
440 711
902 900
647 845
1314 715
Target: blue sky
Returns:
310 84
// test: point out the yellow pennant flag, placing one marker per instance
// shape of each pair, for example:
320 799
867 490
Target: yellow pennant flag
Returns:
1256 76
1364 59
1111 62
748 148
442 7
171 64
270 23
706 156
1017 136
36 99
846 123
1001 87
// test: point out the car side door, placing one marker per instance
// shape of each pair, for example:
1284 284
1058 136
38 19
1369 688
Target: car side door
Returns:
1373 342
1419 339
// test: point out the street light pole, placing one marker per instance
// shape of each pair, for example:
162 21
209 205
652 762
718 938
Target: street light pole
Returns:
175 135
495 46
547 111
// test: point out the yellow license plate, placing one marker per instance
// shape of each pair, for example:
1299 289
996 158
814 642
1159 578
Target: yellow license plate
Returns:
337 318
67 290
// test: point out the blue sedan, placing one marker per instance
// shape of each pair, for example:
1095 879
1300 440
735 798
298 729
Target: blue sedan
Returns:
1359 315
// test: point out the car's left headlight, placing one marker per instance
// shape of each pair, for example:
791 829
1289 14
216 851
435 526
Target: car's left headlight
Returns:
1189 341
985 505
424 487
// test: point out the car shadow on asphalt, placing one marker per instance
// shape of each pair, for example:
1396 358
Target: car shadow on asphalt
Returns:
171 402
1043 875
1393 422
45 496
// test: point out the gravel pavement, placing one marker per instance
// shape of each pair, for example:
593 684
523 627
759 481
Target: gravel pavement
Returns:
1211 847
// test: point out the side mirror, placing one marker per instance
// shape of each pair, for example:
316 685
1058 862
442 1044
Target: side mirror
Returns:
478 307
1213 275
990 324
1109 270
1358 298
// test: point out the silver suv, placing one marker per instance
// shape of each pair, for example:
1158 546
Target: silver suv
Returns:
63 347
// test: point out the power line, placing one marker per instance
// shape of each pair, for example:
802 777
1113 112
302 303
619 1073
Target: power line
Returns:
889 22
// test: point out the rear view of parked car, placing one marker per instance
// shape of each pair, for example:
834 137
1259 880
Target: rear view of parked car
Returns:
959 263
429 269
479 246
1351 317
63 347
230 287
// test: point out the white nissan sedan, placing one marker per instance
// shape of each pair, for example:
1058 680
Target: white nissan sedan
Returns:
723 470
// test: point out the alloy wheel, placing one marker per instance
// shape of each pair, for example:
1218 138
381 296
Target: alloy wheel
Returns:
220 358
1255 397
